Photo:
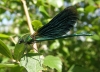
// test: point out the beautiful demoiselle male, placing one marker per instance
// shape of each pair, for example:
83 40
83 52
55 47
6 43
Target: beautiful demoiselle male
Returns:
56 28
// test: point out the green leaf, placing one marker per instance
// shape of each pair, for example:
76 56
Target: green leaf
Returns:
89 8
18 69
36 24
31 63
53 62
55 45
19 51
80 9
96 37
76 68
7 65
4 50
4 36
91 2
56 3
98 2
96 21
76 1
42 9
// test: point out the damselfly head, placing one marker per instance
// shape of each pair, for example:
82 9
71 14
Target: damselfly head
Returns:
27 39
21 41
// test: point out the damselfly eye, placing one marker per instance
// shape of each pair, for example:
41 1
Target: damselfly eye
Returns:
20 41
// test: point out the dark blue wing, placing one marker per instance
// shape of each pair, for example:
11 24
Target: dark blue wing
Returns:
60 24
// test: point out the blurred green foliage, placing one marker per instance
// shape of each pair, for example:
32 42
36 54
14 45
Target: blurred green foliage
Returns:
75 52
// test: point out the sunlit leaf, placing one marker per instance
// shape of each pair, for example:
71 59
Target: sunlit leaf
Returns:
7 65
4 36
56 3
89 8
31 63
96 37
76 1
53 62
36 24
42 9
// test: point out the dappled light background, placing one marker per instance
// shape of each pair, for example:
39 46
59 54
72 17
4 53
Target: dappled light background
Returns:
83 51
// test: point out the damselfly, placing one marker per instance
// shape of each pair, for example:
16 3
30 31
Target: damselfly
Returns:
56 28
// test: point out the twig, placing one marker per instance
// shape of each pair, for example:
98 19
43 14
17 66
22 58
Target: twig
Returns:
5 8
11 38
29 23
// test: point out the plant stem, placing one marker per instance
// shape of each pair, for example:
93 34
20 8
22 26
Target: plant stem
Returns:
29 23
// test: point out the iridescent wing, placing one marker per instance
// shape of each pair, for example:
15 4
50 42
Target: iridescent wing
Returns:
60 24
